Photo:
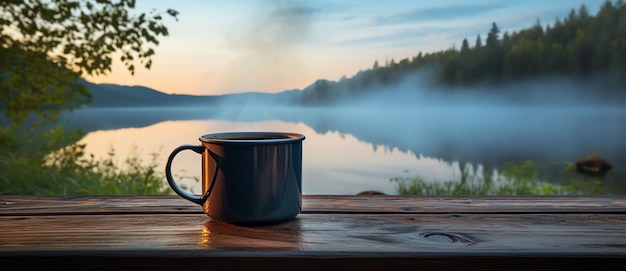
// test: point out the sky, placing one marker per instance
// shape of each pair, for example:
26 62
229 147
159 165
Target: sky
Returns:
225 46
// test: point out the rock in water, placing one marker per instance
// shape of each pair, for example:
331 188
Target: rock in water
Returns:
593 166
371 192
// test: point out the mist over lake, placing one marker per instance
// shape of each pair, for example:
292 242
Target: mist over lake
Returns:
358 141
349 149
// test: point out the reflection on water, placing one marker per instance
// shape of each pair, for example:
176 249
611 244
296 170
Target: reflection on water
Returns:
333 163
350 150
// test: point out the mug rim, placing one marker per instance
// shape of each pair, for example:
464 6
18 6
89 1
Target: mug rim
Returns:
246 138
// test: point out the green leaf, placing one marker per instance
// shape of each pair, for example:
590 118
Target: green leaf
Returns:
62 40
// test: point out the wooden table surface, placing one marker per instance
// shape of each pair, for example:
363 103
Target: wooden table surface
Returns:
332 232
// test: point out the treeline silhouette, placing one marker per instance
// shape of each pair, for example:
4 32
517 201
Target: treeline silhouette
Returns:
580 46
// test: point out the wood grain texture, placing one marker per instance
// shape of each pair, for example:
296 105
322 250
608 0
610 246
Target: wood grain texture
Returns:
313 234
54 205
334 232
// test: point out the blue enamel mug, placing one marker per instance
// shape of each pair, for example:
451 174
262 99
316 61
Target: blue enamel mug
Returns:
247 177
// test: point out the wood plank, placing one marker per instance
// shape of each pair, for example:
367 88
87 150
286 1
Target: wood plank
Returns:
334 232
62 205
464 204
65 205
313 241
315 234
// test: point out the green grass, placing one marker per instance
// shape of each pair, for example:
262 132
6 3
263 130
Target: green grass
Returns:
521 178
50 162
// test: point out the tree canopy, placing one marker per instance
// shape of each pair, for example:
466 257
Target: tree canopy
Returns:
47 45
578 47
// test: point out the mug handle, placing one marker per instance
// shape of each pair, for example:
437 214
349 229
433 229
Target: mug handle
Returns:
168 174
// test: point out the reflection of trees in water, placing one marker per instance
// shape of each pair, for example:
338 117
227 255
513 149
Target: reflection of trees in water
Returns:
487 137
93 119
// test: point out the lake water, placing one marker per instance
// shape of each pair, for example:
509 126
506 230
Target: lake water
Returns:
349 150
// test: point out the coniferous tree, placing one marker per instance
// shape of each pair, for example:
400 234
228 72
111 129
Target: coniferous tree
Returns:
578 46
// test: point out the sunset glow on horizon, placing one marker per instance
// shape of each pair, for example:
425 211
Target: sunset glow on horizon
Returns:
220 47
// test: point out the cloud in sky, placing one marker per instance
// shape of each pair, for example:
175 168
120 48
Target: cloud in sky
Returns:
272 45
439 13
416 24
